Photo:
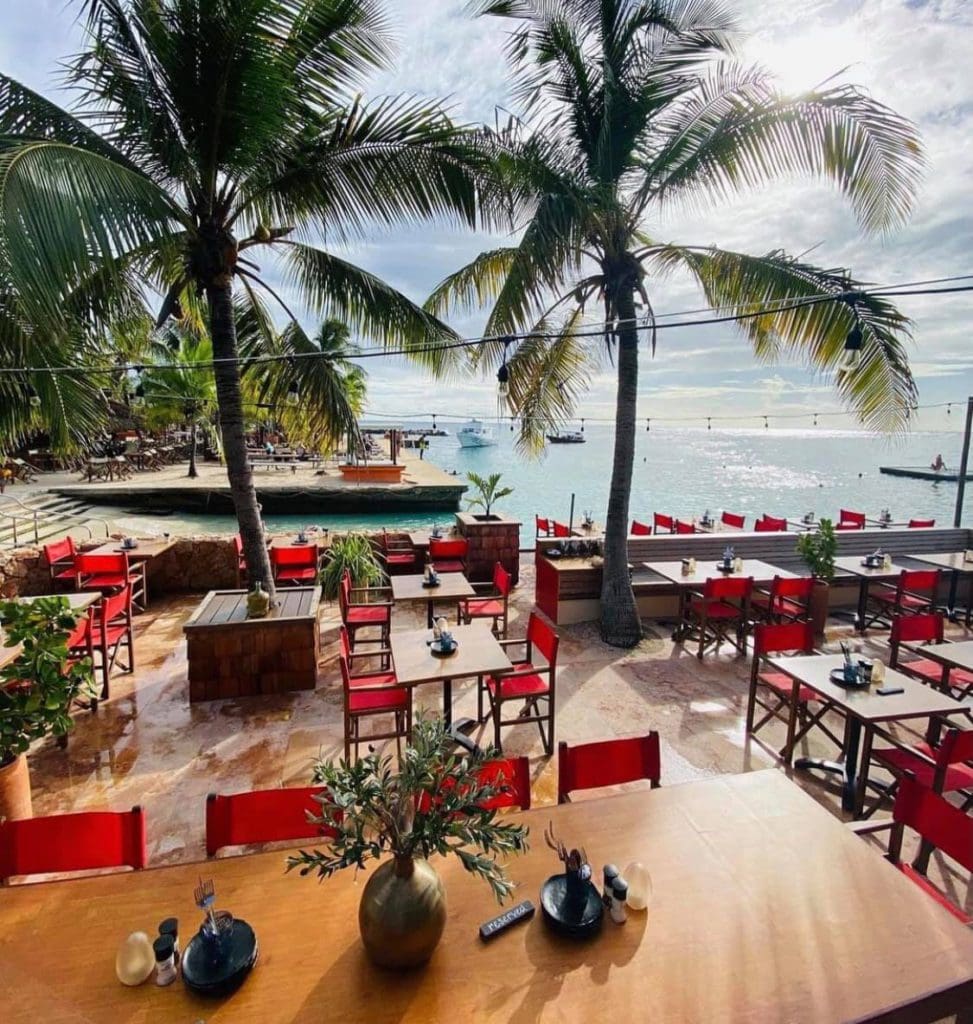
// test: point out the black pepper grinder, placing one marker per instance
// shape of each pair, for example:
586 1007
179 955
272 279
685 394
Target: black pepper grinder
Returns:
170 927
610 874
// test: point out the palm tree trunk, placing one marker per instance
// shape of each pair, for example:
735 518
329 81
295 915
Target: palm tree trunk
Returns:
620 623
192 451
230 400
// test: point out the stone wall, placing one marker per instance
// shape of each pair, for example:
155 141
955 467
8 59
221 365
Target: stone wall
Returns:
23 571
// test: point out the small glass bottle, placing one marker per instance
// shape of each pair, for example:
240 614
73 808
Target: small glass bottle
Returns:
619 894
258 601
165 960
610 873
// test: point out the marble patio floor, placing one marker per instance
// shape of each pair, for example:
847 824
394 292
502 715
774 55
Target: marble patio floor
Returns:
146 745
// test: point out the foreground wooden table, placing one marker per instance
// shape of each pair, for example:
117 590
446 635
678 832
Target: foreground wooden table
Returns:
766 909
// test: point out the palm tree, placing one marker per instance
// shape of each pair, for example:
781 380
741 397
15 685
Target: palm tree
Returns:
204 134
630 107
182 388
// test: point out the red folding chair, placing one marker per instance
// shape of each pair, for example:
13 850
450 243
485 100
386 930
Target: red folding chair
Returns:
542 527
494 606
661 523
531 682
111 634
640 529
940 826
925 628
62 843
724 605
921 524
913 593
59 557
262 816
80 645
770 524
848 520
607 763
295 567
682 527
732 519
398 554
368 694
513 774
109 573
561 530
773 691
357 615
448 555
788 600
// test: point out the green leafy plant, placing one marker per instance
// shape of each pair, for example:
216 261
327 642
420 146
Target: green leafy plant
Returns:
432 804
489 491
38 686
818 551
355 553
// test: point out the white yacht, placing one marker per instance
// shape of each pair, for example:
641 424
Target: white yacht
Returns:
475 435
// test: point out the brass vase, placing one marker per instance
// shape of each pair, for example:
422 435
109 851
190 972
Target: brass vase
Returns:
402 913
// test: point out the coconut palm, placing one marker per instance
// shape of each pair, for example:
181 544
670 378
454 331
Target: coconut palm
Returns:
206 134
629 108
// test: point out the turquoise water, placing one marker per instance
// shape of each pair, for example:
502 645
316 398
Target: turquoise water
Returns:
678 471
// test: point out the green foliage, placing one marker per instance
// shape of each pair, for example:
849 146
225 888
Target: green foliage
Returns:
489 491
819 549
38 686
431 805
355 553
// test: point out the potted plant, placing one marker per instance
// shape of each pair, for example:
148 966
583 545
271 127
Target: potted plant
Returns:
433 804
818 551
36 690
489 492
356 554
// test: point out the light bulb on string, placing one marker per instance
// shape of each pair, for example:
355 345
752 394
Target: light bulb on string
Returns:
503 373
293 393
815 419
709 423
582 424
648 425
766 424
33 398
138 397
853 342
512 418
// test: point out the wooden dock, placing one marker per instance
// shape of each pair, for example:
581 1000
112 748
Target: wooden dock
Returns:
924 473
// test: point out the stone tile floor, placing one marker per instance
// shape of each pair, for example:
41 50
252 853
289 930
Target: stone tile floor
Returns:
148 746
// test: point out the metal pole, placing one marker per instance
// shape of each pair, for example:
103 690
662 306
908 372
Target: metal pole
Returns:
571 516
963 464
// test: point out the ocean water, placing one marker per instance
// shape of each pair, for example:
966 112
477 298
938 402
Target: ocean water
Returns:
681 472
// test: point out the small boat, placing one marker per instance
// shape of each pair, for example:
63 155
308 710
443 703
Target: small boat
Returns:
568 437
475 435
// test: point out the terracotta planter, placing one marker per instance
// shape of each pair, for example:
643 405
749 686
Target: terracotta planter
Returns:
491 540
402 913
15 790
819 606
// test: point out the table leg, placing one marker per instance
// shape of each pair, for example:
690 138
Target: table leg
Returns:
862 603
846 767
448 703
429 614
861 785
951 602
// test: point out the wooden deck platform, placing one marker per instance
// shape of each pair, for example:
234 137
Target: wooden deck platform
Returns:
923 473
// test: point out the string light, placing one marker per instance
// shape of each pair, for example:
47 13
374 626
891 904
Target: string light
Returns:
766 424
853 343
33 398
648 425
709 422
582 424
503 373
293 393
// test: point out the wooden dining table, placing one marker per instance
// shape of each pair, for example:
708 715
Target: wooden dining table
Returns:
854 566
863 709
956 564
146 552
452 586
765 909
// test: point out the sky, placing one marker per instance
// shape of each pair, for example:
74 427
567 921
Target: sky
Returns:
911 54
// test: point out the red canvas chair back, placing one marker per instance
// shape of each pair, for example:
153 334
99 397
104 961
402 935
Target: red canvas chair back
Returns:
607 763
946 827
344 594
295 558
513 773
72 842
921 524
732 519
956 747
262 816
770 524
640 529
857 519
447 549
661 523
728 588
542 527
60 551
919 581
682 527
912 629
541 636
116 606
501 580
80 636
238 545
111 564
797 591
775 638
344 644
560 530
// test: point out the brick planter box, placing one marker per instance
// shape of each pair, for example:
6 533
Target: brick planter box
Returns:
490 541
233 656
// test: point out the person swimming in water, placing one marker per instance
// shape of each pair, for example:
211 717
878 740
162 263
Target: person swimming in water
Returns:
937 464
